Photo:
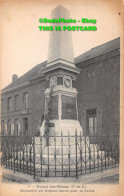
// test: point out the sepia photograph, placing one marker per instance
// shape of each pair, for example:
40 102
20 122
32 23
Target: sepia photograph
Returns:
60 82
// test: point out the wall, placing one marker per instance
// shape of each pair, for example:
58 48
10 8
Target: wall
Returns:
35 106
105 98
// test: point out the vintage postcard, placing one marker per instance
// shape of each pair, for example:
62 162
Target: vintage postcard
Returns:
61 82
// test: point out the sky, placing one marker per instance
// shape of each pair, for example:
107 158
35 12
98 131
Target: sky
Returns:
23 45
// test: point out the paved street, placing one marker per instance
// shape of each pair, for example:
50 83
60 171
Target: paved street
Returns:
108 180
110 176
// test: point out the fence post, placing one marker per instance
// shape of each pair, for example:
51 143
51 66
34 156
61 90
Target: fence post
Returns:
41 153
69 151
62 149
94 150
23 155
6 153
20 149
1 150
27 153
14 153
47 174
118 150
17 154
34 154
85 140
1 142
101 154
98 156
106 151
30 152
115 152
76 153
55 151
112 153
81 150
11 155
89 154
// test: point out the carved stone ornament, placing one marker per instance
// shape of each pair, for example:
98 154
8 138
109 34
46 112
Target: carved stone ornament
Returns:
60 73
53 81
67 81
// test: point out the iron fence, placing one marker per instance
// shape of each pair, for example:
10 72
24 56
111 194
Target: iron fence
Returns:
59 155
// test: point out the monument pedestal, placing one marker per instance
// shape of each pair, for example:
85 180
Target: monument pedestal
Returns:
65 152
64 127
61 105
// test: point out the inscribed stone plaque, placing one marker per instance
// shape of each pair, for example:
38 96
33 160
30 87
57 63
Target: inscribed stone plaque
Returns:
69 107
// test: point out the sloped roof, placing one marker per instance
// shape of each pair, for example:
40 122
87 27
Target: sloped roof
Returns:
99 50
94 52
31 74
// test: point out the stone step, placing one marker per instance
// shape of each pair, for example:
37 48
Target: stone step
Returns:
88 149
65 150
94 157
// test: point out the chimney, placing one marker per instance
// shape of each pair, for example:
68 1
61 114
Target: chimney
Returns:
14 77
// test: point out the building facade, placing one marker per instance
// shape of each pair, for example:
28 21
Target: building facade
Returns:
98 85
99 89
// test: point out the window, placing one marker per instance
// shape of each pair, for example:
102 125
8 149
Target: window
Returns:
25 126
2 128
9 127
9 104
25 100
3 106
91 122
91 81
16 127
16 102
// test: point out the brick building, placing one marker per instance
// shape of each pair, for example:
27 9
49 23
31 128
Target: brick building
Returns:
98 86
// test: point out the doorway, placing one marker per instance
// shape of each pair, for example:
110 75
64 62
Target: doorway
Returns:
91 122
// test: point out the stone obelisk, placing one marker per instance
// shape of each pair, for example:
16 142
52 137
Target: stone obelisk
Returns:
60 72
